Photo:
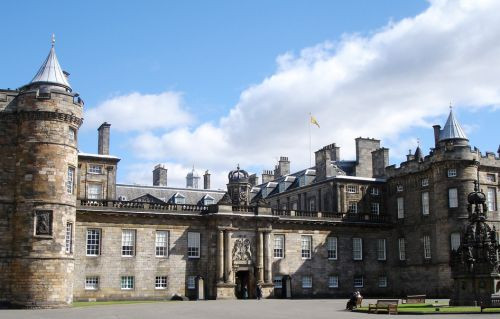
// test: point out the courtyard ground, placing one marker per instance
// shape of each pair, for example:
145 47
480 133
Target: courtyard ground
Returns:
220 309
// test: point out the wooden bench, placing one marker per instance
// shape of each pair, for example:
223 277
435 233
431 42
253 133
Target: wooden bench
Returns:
389 305
413 299
494 302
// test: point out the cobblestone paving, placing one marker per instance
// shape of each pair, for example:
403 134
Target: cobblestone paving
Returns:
241 309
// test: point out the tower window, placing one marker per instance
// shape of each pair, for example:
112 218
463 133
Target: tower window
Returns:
70 182
401 207
71 134
452 172
425 182
425 203
452 198
69 238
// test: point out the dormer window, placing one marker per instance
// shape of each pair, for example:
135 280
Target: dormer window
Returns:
399 188
282 187
208 200
179 199
302 180
452 172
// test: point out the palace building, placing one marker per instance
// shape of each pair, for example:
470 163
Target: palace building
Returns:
69 231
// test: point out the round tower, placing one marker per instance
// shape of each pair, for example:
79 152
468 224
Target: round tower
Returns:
49 115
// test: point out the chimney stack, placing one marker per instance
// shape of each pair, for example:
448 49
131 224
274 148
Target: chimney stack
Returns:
253 180
103 139
267 176
206 180
283 167
160 175
437 130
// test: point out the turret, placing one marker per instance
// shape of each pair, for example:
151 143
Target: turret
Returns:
452 133
48 116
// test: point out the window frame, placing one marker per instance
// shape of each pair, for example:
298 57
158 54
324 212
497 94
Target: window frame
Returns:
453 200
400 202
357 254
68 238
381 249
96 245
382 282
332 247
351 205
455 241
352 189
129 282
306 252
71 134
193 251
359 285
161 282
95 169
70 180
333 283
451 172
279 246
424 182
427 247
375 211
375 191
129 236
96 195
91 283
164 248
278 281
307 282
425 203
402 248
399 188
191 282
491 201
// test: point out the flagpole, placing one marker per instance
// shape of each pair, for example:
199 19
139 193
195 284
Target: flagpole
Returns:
310 138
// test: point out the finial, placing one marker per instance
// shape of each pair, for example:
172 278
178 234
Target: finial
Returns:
238 166
451 107
53 39
418 142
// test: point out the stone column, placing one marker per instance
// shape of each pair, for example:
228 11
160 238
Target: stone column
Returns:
267 257
260 256
220 255
228 257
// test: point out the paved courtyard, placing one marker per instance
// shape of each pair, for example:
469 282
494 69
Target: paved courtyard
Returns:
241 309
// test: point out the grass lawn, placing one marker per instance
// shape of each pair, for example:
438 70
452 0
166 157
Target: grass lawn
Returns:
431 308
122 302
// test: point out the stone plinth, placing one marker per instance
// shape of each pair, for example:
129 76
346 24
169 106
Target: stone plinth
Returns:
226 291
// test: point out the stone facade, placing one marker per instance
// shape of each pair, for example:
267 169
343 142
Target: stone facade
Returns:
69 232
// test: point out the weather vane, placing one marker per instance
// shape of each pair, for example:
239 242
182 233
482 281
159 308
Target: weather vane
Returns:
53 39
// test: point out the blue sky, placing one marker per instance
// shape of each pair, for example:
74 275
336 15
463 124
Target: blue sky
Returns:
217 83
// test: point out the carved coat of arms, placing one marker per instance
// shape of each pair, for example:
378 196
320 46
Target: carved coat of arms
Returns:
242 250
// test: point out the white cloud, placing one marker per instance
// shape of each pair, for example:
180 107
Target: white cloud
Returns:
381 85
140 112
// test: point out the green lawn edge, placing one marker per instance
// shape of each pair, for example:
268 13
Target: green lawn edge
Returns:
431 309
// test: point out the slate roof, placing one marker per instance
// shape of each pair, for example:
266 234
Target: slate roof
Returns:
50 72
452 129
193 196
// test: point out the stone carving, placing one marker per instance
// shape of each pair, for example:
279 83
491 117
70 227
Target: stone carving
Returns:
43 222
242 250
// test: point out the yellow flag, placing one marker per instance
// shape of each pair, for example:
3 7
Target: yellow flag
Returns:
314 121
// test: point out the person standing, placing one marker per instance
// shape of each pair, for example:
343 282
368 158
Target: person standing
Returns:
258 291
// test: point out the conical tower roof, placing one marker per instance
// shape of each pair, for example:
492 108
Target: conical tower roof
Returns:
452 129
50 72
418 154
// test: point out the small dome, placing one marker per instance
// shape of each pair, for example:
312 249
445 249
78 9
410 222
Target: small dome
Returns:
238 175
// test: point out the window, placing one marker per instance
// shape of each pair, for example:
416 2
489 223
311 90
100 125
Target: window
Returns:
95 169
492 199
375 208
424 182
70 182
128 242
294 206
179 199
191 282
161 243
333 281
425 203
69 238
353 189
93 242
208 200
302 180
161 282
282 187
427 247
94 191
306 244
91 283
452 172
193 245
401 207
307 282
375 191
399 188
312 204
278 282
358 282
353 207
490 178
382 281
279 245
357 249
452 198
71 134
455 241
127 282
381 252
402 249
332 247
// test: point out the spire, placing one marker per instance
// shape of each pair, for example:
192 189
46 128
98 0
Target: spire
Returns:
418 152
452 129
50 72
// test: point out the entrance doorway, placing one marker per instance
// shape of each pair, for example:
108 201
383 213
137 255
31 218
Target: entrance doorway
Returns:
243 285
